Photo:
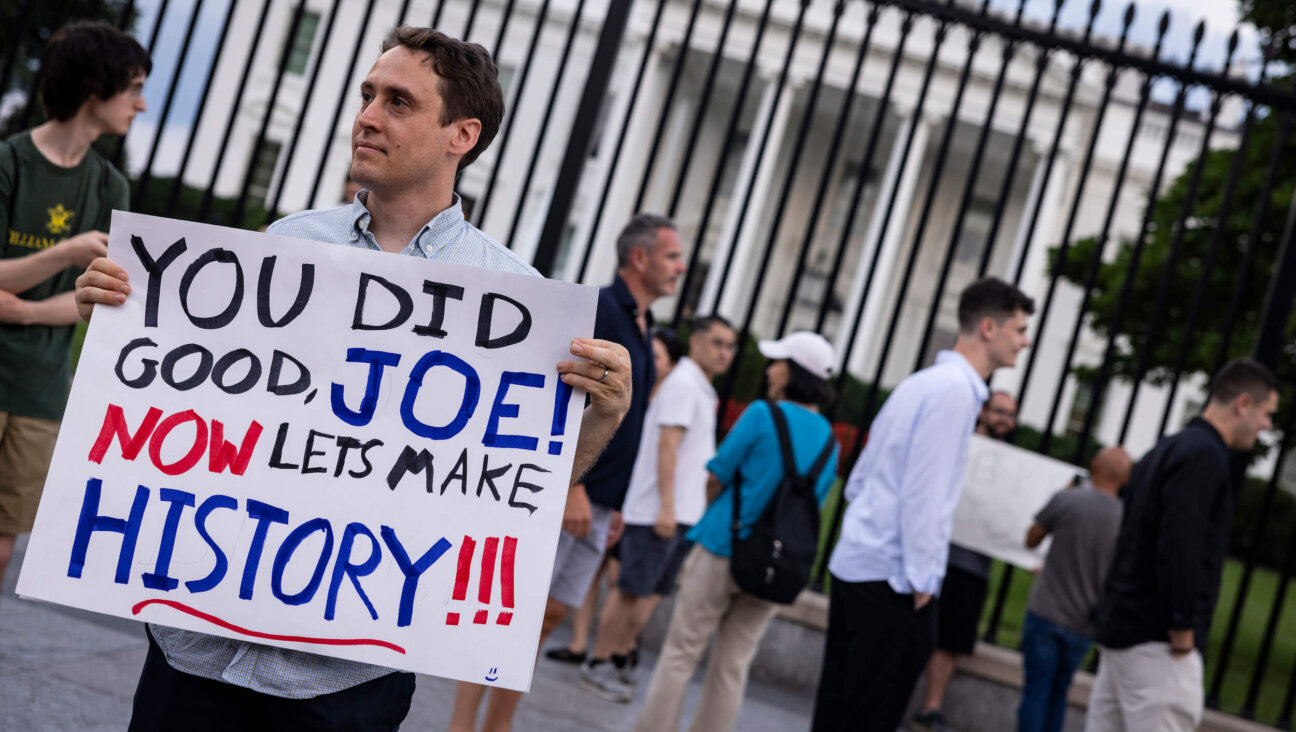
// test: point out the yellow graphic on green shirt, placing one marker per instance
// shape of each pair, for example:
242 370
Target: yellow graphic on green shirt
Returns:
58 222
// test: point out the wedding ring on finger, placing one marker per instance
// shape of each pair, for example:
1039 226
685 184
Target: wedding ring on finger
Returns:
603 378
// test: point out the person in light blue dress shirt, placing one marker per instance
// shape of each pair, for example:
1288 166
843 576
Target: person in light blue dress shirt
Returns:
891 556
428 107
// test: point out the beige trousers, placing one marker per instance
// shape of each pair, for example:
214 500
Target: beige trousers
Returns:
1144 688
708 603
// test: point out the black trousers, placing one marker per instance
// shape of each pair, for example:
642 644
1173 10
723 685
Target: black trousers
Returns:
167 699
876 649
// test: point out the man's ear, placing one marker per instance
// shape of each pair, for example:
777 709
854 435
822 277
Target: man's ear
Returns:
639 258
466 134
988 327
1243 402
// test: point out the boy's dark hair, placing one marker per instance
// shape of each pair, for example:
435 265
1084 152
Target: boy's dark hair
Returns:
704 323
671 340
469 83
806 388
990 297
87 59
1243 376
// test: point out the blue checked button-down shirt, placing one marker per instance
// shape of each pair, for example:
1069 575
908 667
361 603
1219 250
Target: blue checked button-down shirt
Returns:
297 674
904 488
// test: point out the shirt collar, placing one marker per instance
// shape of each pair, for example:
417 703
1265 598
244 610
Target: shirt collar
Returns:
435 234
1201 423
977 383
621 293
695 372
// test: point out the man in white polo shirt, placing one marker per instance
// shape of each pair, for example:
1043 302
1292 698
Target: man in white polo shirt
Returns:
667 495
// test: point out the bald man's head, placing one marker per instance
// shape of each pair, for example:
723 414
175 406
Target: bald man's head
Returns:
1110 469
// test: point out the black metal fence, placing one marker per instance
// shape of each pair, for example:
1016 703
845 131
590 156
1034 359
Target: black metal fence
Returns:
839 165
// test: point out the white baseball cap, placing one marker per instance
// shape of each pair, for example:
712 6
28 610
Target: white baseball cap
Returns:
810 351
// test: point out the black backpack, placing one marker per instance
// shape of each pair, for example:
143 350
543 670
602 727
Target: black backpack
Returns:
774 561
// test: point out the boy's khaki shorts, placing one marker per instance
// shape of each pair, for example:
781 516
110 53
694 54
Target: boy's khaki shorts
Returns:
26 446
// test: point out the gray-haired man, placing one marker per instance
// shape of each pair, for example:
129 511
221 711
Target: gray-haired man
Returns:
650 263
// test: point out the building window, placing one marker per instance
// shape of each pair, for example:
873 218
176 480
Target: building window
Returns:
263 170
299 50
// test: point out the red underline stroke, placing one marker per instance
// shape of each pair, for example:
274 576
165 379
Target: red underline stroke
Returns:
267 636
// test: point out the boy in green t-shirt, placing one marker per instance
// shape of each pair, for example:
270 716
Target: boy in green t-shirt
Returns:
56 199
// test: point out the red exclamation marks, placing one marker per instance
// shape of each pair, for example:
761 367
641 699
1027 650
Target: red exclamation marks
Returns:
506 580
487 577
461 576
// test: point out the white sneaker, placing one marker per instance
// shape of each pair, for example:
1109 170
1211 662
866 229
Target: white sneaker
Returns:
601 678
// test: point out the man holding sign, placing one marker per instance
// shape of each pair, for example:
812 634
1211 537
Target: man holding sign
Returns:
429 106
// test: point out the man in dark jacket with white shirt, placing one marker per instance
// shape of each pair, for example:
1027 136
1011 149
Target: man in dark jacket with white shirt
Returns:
1154 616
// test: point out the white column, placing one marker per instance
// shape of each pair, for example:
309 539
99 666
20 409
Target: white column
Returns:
1028 210
733 303
589 195
902 176
625 180
707 303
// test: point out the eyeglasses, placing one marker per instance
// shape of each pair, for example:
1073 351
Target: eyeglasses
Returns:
723 344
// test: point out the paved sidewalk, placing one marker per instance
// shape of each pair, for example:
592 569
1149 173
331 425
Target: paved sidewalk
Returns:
64 669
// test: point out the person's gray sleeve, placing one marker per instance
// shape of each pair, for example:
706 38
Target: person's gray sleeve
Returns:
1049 516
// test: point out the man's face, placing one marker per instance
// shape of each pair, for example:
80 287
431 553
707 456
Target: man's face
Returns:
1256 417
1007 339
398 143
664 264
116 113
714 349
998 416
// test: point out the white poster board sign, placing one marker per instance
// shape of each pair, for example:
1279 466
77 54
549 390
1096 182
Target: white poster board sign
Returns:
317 447
1005 486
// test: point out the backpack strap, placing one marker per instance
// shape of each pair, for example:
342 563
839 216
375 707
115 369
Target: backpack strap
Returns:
822 461
784 439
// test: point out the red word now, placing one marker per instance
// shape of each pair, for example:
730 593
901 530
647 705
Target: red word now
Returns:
222 455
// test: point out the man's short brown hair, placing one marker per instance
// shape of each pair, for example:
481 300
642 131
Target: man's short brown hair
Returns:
469 84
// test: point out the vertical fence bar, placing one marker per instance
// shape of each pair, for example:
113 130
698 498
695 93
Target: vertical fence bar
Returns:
1181 227
1285 122
1217 236
544 122
717 175
272 210
1095 263
205 206
511 117
241 205
120 153
1064 244
974 44
821 191
1005 583
472 19
174 194
1266 502
34 88
1271 624
146 174
343 95
870 399
704 101
1043 56
1144 345
798 149
677 73
857 196
780 87
974 171
579 140
1278 300
19 31
649 45
436 14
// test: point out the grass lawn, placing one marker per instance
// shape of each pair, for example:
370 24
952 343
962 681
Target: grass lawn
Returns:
1243 662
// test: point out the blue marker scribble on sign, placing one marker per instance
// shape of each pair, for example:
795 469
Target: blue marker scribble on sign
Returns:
492 675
